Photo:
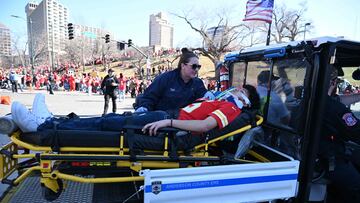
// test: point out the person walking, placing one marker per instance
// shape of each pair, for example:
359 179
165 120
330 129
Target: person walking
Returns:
109 86
13 81
122 84
51 82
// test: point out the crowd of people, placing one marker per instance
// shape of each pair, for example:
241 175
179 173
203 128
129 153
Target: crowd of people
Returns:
18 79
72 80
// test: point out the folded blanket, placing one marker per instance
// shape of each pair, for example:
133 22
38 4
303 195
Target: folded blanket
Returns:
7 125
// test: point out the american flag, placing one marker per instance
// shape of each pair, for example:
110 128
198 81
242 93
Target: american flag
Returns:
259 10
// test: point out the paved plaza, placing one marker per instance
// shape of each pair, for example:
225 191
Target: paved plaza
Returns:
63 103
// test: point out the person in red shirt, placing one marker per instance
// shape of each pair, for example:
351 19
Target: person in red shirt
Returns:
205 115
122 85
71 82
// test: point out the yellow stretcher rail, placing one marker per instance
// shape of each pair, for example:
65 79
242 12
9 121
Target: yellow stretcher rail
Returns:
95 180
26 174
15 139
243 129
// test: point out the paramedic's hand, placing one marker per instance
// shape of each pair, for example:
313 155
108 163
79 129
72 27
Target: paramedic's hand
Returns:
153 127
141 109
209 95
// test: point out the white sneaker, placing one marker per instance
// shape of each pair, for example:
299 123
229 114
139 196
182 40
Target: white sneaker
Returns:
25 119
39 108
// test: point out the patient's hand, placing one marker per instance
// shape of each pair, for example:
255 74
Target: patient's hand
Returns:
154 126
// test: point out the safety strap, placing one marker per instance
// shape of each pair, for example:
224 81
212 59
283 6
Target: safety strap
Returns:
173 143
55 145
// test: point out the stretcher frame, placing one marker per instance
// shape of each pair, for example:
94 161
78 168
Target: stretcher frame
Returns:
47 161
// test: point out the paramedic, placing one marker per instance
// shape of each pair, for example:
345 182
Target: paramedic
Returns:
175 89
339 126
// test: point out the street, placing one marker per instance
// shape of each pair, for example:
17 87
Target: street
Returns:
63 103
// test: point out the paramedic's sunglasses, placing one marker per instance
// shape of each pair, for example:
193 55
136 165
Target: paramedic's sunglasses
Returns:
194 66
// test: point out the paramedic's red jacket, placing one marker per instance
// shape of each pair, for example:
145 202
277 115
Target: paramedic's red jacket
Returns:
224 112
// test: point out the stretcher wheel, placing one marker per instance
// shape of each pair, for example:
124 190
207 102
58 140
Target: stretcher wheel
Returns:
50 195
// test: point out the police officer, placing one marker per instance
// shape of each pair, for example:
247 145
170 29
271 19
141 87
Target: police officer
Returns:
339 126
51 81
175 89
109 86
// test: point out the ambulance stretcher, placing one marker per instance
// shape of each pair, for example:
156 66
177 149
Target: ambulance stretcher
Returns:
202 171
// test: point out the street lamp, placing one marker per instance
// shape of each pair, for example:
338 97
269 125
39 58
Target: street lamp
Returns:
306 24
52 48
31 54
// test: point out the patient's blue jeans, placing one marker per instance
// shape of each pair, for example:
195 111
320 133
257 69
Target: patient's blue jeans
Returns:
109 122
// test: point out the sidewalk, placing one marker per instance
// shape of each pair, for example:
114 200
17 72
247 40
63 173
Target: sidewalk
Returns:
63 103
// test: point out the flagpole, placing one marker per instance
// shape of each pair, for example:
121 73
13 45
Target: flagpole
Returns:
268 35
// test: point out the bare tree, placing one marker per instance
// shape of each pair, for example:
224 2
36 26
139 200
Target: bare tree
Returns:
110 52
170 62
288 24
20 51
138 60
6 61
40 48
218 39
255 37
77 51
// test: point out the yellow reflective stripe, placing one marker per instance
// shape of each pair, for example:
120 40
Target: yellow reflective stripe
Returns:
222 117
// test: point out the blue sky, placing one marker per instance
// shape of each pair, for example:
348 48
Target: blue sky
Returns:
130 19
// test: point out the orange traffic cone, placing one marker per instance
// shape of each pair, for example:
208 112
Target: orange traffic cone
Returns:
5 100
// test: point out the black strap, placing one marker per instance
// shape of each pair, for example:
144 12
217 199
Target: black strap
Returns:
173 143
252 117
130 142
55 144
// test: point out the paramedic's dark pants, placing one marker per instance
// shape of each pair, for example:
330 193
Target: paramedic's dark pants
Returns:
109 122
345 181
106 105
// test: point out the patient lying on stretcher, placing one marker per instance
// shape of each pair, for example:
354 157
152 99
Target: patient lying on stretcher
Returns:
197 117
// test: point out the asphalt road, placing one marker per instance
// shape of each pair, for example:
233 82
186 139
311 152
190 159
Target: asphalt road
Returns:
62 103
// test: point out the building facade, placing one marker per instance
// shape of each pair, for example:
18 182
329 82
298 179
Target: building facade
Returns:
5 41
161 32
47 29
217 35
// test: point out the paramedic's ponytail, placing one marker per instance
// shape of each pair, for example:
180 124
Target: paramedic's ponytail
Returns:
186 54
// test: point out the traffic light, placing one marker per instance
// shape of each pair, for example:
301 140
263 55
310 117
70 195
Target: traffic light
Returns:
71 31
129 43
107 38
120 45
